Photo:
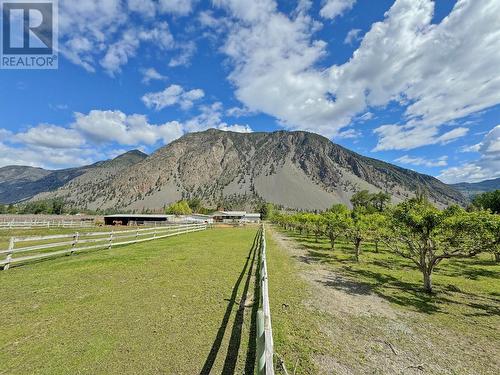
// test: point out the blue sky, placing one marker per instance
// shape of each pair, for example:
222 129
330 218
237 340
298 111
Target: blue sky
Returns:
411 82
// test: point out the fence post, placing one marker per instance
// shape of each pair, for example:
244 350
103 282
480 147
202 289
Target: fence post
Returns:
110 240
9 254
75 242
261 344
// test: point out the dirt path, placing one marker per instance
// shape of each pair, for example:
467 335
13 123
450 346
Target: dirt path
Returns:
369 336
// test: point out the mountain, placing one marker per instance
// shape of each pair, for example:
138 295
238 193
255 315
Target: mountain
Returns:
294 169
471 189
20 183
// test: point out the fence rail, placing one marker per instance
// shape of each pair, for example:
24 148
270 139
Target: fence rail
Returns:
265 350
44 224
42 247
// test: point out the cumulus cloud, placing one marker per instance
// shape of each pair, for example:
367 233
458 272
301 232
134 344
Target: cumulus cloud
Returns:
419 161
486 167
172 95
439 73
211 118
335 8
116 126
51 136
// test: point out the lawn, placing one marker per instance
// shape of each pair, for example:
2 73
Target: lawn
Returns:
163 307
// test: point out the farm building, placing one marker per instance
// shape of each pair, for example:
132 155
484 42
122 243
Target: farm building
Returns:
231 217
140 219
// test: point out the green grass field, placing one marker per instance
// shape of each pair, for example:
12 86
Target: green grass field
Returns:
169 306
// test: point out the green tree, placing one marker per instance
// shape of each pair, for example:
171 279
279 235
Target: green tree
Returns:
266 211
488 201
376 228
57 206
426 236
358 231
337 221
195 205
179 208
380 201
362 200
3 209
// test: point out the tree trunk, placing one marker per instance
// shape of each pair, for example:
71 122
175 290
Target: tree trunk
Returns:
376 246
332 242
316 234
357 246
427 281
497 257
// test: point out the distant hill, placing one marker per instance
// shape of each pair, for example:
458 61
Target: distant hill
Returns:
20 183
471 189
294 169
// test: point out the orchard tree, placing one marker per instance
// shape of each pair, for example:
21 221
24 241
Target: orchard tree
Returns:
337 221
318 225
426 236
358 230
376 228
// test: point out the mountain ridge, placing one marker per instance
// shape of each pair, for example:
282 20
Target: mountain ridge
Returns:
298 170
20 183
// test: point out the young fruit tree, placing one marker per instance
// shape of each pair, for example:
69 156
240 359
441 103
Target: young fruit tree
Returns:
337 221
425 235
357 230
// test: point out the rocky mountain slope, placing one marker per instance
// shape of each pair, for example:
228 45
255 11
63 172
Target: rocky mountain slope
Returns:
471 189
19 183
294 169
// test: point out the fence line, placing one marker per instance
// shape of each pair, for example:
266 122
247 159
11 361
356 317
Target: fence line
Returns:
265 350
13 224
69 243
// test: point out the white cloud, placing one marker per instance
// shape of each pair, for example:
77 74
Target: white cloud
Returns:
187 51
211 118
178 7
151 74
119 52
394 137
236 128
51 136
352 36
174 94
486 167
419 161
116 126
439 73
109 32
45 157
335 8
146 8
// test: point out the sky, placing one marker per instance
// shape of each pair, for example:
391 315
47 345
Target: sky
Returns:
411 82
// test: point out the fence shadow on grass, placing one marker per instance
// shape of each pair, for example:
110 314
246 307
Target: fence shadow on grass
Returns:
235 339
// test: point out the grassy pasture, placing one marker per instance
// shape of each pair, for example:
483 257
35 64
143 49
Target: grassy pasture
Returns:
156 307
171 306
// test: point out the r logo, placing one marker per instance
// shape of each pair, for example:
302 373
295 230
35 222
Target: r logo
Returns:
27 28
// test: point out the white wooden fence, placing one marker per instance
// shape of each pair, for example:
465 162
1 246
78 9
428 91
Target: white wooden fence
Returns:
265 350
27 224
40 247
